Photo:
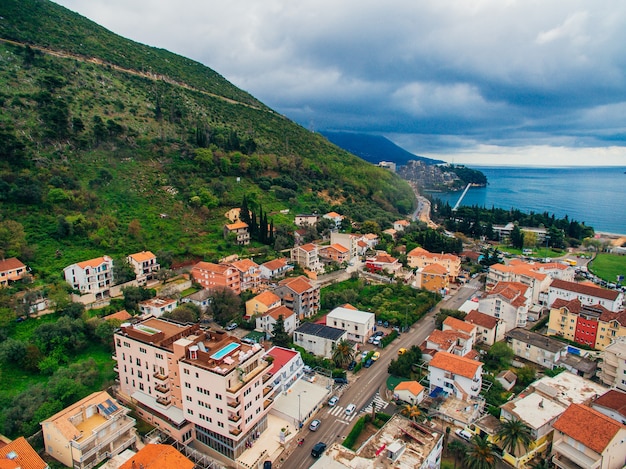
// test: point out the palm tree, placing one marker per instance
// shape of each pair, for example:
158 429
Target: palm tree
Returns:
480 454
458 449
515 436
411 411
343 353
543 464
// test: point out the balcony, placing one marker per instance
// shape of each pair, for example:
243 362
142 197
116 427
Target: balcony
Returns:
162 388
234 431
234 417
116 369
267 402
159 376
267 390
234 404
102 436
164 401
267 377
568 457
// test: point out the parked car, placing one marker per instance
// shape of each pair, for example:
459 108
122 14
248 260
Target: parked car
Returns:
379 322
333 401
315 424
378 334
368 363
402 351
232 326
351 365
341 380
376 341
364 355
371 339
464 434
318 449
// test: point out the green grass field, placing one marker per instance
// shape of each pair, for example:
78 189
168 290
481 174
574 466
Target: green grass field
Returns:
608 266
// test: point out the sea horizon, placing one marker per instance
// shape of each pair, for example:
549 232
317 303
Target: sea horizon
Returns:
592 195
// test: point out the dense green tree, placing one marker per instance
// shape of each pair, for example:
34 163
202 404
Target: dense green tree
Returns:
525 375
12 238
134 295
458 450
499 356
12 351
280 338
444 313
403 365
187 312
517 237
123 271
225 306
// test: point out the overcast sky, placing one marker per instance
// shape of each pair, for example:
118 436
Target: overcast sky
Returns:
468 81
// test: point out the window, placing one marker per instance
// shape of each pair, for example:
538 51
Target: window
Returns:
189 398
185 371
142 350
188 386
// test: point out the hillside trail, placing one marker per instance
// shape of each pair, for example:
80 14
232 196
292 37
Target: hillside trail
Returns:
130 71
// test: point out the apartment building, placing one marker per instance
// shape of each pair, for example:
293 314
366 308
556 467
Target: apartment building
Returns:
589 295
613 365
591 325
318 339
275 269
94 276
536 348
433 277
145 265
383 262
89 431
358 324
334 253
307 257
307 219
210 275
266 321
347 240
249 274
489 329
451 341
300 295
574 445
530 274
508 301
420 258
262 303
194 383
455 375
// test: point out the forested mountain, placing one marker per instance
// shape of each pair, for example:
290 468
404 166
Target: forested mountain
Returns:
374 148
108 146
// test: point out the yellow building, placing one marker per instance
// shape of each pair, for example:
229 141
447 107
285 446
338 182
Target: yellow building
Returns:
420 258
433 278
262 303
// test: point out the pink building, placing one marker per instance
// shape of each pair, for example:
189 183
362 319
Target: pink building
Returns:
194 383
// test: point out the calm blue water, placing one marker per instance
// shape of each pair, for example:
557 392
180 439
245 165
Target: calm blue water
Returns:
596 196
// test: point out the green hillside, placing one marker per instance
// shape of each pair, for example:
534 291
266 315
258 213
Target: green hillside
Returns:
108 146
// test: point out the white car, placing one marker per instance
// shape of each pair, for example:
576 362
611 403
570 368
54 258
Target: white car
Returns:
333 401
315 424
467 436
232 326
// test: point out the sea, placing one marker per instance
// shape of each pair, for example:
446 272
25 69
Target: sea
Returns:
593 195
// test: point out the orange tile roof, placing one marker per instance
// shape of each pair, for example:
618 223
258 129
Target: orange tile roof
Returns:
297 284
412 386
142 256
333 215
27 457
383 259
455 364
578 419
513 292
98 261
267 298
481 319
445 339
349 306
308 247
122 315
154 456
371 236
236 226
339 247
275 264
211 267
244 264
585 289
458 325
279 311
401 222
435 269
613 399
11 263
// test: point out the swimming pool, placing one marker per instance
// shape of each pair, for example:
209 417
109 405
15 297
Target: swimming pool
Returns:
221 353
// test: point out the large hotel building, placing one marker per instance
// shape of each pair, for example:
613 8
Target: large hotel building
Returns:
194 384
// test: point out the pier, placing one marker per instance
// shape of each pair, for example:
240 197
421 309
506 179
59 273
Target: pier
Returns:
456 206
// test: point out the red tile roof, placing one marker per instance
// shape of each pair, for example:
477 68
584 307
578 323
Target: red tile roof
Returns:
445 339
578 419
275 264
27 457
513 292
308 247
298 284
412 386
613 399
458 325
435 269
237 226
244 265
11 263
267 298
93 262
279 311
585 289
122 315
154 456
211 267
142 256
481 319
455 364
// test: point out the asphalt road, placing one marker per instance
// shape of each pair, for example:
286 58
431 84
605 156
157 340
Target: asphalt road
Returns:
363 386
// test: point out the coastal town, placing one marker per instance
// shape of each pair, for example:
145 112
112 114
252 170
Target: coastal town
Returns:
540 332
